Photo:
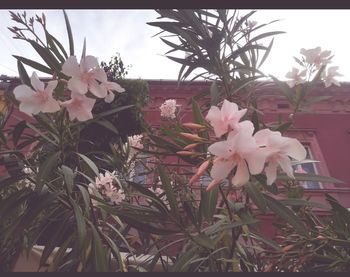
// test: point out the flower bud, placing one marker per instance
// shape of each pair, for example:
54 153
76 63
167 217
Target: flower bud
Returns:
287 248
191 136
202 168
191 146
192 125
193 179
213 184
185 153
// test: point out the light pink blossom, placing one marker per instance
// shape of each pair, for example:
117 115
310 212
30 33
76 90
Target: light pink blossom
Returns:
278 149
79 107
135 141
225 119
296 77
110 87
38 100
238 150
116 195
84 76
168 109
316 56
329 77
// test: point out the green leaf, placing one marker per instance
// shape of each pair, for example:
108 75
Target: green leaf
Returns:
90 163
70 35
214 94
23 75
266 54
208 203
310 177
287 214
47 56
59 45
256 196
17 131
46 169
108 125
53 47
197 114
80 223
204 241
303 202
68 175
168 191
83 53
34 64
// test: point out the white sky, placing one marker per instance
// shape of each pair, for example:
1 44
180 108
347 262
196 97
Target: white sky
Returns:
126 32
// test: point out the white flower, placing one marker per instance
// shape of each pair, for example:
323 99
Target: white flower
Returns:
85 76
168 109
329 77
27 170
104 181
135 141
116 195
316 56
296 77
38 100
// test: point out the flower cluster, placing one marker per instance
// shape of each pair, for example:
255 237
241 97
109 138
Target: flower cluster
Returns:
312 60
84 77
168 109
104 184
266 150
135 141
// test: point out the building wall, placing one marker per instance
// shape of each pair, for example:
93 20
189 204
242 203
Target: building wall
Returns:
325 127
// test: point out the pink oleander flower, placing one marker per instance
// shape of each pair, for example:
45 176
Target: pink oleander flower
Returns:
136 141
116 195
226 119
168 109
278 149
84 77
316 56
38 100
296 77
328 78
110 87
79 107
238 150
104 181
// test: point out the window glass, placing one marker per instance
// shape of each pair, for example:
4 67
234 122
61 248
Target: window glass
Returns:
308 168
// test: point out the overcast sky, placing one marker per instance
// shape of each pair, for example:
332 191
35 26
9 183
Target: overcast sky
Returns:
126 32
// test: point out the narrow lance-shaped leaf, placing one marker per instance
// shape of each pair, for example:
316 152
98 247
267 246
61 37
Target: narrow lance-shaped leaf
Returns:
288 215
23 75
70 35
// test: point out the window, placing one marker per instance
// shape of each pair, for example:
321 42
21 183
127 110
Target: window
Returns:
140 172
308 168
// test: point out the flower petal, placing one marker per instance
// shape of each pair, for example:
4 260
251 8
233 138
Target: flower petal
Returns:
286 165
256 161
71 67
221 168
97 90
89 62
242 174
295 149
77 85
110 97
50 106
51 86
221 149
23 93
271 172
36 83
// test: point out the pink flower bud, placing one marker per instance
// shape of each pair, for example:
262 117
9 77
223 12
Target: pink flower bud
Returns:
192 125
191 136
213 184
